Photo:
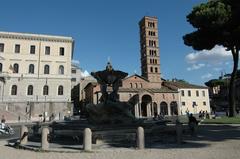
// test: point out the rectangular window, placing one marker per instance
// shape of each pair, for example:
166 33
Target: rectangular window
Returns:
47 50
204 103
17 48
197 93
183 103
73 80
182 93
203 93
32 49
1 47
74 71
61 51
189 93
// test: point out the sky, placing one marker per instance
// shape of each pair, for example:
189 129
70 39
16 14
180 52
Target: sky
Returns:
108 29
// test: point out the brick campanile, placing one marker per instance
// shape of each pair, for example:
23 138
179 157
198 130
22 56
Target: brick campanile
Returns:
150 61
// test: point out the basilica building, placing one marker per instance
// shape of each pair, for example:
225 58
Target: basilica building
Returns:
148 93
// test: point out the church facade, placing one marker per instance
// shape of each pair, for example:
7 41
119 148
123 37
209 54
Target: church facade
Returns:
146 93
149 94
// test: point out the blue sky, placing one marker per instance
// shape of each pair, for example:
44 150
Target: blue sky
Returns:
109 28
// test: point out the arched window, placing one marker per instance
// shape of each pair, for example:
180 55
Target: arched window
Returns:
14 90
156 69
131 85
45 90
151 69
136 85
31 69
46 69
15 68
30 90
60 90
61 70
141 85
0 67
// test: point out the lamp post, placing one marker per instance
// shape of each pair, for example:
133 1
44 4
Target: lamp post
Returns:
44 111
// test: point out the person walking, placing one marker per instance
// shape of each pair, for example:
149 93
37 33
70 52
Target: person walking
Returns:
192 123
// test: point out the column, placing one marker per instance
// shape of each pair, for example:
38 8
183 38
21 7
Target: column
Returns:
140 109
158 109
136 111
169 109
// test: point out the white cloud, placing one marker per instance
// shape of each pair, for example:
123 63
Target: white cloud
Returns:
206 76
217 55
196 66
76 62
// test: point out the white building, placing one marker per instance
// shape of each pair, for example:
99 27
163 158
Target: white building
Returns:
76 75
192 98
35 71
79 80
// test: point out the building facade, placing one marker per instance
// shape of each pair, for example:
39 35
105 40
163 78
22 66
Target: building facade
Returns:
145 93
36 74
79 81
192 98
149 94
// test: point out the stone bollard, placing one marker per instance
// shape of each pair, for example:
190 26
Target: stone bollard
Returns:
140 138
23 135
87 139
45 143
179 132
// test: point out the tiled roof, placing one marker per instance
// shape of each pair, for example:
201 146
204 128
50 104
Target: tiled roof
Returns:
163 89
183 85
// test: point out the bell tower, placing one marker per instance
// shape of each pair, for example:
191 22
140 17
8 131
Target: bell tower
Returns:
149 43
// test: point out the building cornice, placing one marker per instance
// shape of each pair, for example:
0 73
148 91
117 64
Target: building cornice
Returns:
36 37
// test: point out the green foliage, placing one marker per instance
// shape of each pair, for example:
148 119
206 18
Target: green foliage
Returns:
211 15
217 23
217 82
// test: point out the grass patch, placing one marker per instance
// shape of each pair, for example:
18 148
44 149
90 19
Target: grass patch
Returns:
223 120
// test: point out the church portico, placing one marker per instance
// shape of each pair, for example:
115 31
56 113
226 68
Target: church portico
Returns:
146 105
173 108
164 108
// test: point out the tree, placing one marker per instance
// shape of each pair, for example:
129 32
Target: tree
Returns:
217 23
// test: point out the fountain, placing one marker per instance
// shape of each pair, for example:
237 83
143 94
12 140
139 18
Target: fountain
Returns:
110 110
111 121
